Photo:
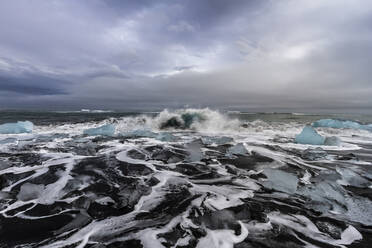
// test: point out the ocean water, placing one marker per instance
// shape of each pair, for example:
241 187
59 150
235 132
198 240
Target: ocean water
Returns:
183 178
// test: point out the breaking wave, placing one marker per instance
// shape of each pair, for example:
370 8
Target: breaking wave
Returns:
201 120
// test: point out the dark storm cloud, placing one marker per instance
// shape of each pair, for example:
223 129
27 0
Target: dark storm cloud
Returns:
31 85
258 54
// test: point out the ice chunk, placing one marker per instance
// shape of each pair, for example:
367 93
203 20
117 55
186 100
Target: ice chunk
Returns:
166 137
332 141
19 127
309 136
139 133
314 154
217 140
238 149
30 191
352 178
341 124
280 180
107 130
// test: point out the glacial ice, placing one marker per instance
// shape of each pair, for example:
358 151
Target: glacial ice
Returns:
166 137
280 180
309 136
18 127
210 140
238 149
341 124
107 130
314 154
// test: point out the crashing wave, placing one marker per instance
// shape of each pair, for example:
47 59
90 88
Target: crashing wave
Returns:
202 120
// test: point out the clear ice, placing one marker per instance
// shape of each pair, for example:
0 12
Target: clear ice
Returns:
18 127
107 130
309 136
341 124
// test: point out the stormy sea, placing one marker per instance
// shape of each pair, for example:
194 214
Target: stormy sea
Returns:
185 178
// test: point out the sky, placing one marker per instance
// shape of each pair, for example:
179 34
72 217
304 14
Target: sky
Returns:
252 55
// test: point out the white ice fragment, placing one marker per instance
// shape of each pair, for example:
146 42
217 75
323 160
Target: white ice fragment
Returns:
18 127
222 238
107 130
309 136
349 235
30 191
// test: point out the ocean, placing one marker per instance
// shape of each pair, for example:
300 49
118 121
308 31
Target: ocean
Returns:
185 178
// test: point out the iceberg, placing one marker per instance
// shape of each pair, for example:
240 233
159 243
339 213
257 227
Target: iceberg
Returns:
309 136
341 124
18 127
107 130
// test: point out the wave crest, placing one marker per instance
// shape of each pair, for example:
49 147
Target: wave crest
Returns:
201 120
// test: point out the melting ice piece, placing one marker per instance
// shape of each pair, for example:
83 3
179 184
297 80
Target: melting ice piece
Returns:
217 140
332 141
314 154
139 133
309 136
30 191
341 124
280 180
223 238
238 149
107 130
19 127
166 137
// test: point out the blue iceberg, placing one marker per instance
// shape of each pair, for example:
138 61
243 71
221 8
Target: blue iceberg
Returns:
309 136
106 130
19 127
341 124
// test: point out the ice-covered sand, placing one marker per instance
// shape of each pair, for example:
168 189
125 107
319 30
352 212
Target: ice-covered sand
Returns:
186 178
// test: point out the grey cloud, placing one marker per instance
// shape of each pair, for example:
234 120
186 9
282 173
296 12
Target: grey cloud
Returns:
311 55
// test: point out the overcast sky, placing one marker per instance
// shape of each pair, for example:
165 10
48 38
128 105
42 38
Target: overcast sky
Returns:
297 55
